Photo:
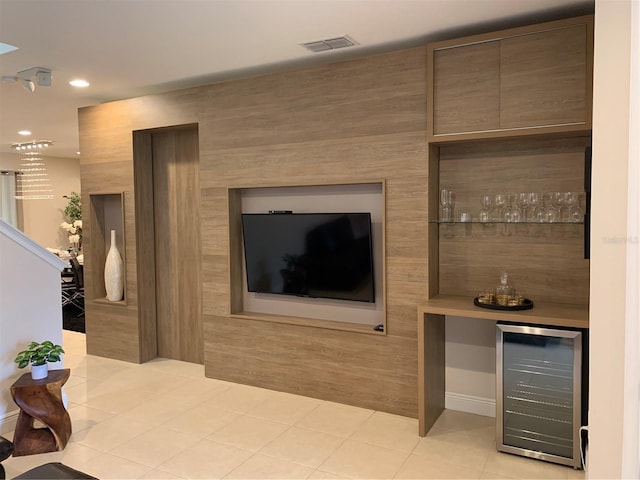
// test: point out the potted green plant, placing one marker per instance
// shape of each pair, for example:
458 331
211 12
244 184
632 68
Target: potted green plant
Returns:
38 355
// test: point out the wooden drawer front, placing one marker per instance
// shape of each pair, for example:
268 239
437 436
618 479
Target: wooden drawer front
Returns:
543 78
466 88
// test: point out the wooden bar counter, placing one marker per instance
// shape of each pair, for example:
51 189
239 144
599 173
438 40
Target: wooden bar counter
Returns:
431 341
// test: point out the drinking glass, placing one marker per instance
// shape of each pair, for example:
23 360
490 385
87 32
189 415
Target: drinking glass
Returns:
499 204
522 201
537 212
559 202
574 212
452 202
447 203
511 212
550 204
487 207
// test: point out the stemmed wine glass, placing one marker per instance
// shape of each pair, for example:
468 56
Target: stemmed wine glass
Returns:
487 207
537 210
499 204
574 212
511 212
559 201
522 201
551 211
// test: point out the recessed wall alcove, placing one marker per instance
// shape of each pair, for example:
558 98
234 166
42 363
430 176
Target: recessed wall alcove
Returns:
336 314
106 214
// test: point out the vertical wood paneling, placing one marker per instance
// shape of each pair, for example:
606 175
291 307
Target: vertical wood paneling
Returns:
146 260
176 215
109 332
235 250
466 86
543 78
355 121
352 122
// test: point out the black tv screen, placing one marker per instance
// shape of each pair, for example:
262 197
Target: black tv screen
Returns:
319 255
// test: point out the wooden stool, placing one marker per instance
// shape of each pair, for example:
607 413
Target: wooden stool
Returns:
41 400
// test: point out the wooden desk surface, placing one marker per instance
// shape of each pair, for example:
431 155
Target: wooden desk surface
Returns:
543 313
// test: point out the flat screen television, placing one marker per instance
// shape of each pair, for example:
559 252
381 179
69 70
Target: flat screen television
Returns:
318 255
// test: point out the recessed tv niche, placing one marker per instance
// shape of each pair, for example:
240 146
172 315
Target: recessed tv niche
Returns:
318 255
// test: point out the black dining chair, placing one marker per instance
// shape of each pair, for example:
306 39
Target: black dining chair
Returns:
73 291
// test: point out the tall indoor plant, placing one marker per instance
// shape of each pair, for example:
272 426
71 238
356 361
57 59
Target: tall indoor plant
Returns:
73 220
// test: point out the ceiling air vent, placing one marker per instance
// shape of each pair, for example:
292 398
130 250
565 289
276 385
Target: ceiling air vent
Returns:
329 44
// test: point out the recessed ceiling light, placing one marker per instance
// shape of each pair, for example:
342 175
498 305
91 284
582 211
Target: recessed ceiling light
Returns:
79 83
24 133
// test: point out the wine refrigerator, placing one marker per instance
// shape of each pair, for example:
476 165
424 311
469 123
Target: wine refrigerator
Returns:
539 382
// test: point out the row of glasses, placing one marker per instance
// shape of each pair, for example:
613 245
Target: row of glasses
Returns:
547 207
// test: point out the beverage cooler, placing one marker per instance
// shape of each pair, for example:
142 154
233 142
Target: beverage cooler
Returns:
540 401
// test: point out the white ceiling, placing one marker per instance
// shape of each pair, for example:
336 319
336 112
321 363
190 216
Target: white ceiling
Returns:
128 48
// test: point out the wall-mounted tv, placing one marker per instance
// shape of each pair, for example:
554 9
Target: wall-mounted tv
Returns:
318 255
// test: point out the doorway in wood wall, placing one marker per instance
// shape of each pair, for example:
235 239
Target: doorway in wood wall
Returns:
168 223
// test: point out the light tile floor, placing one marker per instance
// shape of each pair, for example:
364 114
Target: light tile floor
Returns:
164 420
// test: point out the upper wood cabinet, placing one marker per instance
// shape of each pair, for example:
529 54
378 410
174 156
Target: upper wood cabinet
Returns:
527 80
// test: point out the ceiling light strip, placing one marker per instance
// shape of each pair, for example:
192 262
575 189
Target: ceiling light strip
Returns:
34 145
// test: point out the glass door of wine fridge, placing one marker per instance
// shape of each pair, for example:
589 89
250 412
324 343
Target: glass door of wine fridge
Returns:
539 406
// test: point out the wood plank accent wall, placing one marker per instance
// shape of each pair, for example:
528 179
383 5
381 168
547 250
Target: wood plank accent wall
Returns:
106 166
356 121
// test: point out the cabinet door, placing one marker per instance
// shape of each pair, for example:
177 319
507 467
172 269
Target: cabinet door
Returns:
522 81
466 88
543 78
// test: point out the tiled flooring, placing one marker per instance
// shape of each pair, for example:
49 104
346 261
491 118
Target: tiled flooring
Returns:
164 420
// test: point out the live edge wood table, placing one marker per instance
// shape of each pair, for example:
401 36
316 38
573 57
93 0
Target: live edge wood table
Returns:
431 341
41 400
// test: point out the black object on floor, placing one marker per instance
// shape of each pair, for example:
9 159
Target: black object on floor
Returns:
48 471
6 449
71 320
54 471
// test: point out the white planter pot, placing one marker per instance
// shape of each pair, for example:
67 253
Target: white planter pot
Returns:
114 272
38 372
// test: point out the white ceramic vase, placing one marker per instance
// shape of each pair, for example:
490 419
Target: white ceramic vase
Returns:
113 272
38 372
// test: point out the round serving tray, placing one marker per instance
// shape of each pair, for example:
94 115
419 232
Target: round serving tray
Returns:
528 304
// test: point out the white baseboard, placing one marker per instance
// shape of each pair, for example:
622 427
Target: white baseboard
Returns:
8 421
470 404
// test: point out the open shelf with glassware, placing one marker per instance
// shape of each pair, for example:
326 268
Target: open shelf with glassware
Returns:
488 223
544 256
